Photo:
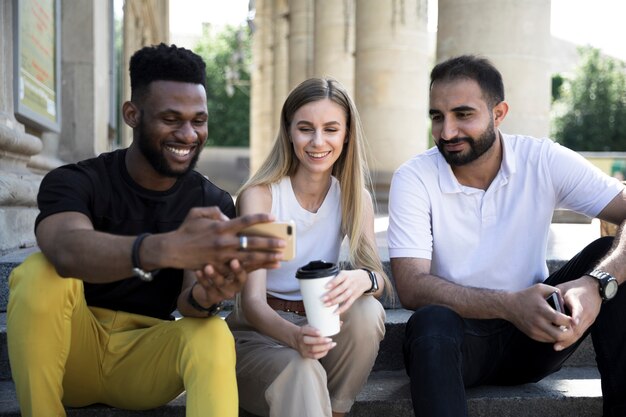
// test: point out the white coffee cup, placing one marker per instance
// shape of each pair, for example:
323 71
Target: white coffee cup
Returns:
313 278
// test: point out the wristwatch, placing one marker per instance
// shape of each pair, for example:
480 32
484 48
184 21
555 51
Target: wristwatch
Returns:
608 283
211 310
374 286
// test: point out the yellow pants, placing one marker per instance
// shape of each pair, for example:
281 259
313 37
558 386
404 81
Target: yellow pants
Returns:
63 352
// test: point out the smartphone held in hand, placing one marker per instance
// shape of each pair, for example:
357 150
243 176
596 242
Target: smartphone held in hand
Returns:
281 230
553 300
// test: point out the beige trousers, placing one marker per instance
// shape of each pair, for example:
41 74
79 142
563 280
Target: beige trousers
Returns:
274 380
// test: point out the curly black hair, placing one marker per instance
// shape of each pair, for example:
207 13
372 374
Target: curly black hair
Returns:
164 63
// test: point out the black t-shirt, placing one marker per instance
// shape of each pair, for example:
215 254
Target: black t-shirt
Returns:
102 189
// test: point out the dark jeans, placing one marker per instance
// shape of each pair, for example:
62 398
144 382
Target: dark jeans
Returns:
445 353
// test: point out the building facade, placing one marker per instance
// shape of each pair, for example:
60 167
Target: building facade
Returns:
380 50
60 53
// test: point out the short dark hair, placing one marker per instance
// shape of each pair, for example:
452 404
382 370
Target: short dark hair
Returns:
474 68
164 63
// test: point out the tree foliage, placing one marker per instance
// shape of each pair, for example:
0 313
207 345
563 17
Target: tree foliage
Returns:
593 105
227 54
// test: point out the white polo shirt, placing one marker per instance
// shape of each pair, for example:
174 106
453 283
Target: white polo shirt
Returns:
495 238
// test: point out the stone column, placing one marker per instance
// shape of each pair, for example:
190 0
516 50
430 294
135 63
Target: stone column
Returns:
515 36
391 82
300 41
18 186
261 92
146 22
334 41
281 61
85 71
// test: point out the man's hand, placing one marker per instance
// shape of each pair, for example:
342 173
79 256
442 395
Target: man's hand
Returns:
208 237
531 314
583 300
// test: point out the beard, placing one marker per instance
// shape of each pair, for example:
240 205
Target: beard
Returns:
156 157
477 147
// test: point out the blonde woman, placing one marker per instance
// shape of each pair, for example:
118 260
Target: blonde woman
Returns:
316 176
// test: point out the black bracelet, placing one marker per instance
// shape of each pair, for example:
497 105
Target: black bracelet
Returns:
211 310
137 270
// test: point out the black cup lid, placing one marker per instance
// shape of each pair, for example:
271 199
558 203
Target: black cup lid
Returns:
317 269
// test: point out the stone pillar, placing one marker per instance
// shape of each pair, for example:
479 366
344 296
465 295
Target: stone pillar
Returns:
334 41
515 36
391 82
261 92
146 22
85 71
18 186
300 41
281 61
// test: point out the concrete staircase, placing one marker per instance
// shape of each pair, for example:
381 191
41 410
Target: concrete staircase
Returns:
573 391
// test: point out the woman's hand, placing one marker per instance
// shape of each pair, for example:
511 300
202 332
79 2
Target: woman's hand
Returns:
311 344
345 288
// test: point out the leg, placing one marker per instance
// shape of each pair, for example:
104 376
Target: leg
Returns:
47 320
444 353
149 362
349 364
526 360
432 352
608 333
275 380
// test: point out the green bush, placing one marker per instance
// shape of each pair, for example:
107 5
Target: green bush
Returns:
592 106
228 58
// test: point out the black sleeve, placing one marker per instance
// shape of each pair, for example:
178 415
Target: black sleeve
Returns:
64 189
215 196
227 206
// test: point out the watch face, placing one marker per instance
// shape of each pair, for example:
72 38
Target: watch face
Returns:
610 289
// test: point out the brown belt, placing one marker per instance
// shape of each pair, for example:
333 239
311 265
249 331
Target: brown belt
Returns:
296 307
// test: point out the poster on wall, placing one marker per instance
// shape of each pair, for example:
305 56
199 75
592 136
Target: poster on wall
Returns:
37 63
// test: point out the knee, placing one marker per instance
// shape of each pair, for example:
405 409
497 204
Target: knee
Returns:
208 340
434 322
207 331
434 335
35 286
304 370
364 320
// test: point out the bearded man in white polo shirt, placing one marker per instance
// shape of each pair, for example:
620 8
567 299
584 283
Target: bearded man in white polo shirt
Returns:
468 231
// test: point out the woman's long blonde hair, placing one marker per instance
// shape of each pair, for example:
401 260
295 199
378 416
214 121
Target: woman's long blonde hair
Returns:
350 169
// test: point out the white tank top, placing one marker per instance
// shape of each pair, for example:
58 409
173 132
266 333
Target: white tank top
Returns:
318 235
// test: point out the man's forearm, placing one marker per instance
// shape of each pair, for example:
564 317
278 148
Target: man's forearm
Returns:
478 303
91 256
615 261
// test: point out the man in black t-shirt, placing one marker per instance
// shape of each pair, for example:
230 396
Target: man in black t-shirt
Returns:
126 238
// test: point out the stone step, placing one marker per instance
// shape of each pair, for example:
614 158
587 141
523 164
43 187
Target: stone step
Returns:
571 392
389 356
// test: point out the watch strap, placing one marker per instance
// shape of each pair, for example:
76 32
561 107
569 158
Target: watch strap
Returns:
374 281
212 310
603 279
